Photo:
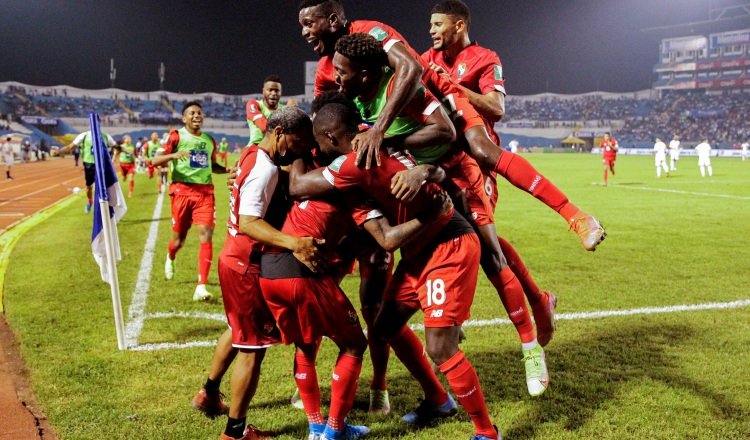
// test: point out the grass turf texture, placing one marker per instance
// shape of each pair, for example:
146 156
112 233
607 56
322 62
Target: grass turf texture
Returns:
663 376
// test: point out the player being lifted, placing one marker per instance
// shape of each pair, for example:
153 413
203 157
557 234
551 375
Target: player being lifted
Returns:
191 155
324 21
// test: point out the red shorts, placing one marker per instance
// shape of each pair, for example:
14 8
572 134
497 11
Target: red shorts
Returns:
248 315
608 162
441 283
466 184
490 188
127 168
191 208
150 169
223 155
308 308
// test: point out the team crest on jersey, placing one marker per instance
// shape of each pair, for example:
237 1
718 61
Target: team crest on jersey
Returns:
336 164
461 69
378 33
498 72
253 109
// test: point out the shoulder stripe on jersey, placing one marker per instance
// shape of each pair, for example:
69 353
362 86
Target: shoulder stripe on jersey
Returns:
373 215
389 44
431 107
329 176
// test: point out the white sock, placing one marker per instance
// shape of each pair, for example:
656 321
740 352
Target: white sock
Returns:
529 345
710 171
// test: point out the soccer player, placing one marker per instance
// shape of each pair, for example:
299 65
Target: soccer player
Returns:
223 152
660 157
704 157
324 21
674 152
437 273
362 75
477 71
609 149
191 155
6 149
745 147
85 142
258 112
127 162
152 147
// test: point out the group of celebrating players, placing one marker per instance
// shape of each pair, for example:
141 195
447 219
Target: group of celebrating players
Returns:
400 153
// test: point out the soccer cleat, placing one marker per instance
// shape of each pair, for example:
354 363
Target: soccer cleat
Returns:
537 376
211 406
201 294
544 317
316 431
379 403
484 437
296 401
425 414
169 268
251 433
348 432
87 209
588 229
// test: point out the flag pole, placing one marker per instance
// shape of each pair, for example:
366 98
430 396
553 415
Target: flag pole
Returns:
114 282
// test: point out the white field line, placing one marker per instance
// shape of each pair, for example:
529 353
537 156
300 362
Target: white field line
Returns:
143 283
677 191
47 188
472 323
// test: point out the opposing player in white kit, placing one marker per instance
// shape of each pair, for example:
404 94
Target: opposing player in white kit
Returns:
674 152
704 157
660 157
745 147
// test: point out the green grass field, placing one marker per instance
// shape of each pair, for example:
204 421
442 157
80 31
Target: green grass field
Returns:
656 376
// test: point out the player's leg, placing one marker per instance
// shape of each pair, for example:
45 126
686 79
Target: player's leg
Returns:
710 170
181 221
131 176
209 398
204 217
89 175
658 169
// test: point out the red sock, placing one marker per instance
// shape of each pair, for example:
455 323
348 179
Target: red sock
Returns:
519 172
91 201
132 184
307 382
343 389
605 176
172 250
379 354
465 384
511 294
530 288
205 256
409 350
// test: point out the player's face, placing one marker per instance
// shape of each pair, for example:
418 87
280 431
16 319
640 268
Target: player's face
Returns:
317 30
193 118
154 137
272 93
127 140
443 31
347 76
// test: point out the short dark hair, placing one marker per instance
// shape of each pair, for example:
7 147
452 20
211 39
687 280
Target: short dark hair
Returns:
328 7
330 97
273 78
290 119
454 8
362 49
336 113
189 104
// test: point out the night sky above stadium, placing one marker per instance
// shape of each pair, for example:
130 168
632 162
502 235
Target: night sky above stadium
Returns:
564 46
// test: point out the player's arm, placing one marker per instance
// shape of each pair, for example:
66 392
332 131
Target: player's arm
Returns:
438 129
405 185
305 249
76 142
305 184
169 146
215 167
391 238
407 76
491 105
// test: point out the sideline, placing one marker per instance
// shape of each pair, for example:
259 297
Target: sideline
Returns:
675 191
9 238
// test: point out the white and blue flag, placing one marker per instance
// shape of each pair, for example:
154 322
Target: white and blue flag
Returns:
107 188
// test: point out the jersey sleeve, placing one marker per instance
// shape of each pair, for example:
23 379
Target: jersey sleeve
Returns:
491 77
77 141
170 145
342 173
384 34
257 189
111 141
254 115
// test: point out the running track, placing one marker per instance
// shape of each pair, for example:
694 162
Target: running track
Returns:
35 186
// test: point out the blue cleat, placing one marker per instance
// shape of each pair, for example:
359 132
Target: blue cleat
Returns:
484 437
349 432
425 414
88 208
316 431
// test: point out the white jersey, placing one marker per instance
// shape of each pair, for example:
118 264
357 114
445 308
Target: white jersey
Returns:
703 150
745 147
674 145
513 145
660 148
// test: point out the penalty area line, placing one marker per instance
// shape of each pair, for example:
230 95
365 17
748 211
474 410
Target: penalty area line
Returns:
675 191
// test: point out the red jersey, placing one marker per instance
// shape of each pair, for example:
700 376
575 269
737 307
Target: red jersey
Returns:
608 148
387 36
376 183
257 178
477 68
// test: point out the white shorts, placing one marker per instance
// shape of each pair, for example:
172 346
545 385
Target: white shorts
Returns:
8 159
704 161
659 161
674 155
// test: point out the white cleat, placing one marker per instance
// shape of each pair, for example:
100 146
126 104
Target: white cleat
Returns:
201 294
169 268
537 376
380 405
296 401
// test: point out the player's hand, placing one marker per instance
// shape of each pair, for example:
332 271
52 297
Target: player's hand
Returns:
367 146
54 152
181 155
405 185
437 68
291 102
231 177
307 251
442 205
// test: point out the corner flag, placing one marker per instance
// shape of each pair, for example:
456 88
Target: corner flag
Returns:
107 189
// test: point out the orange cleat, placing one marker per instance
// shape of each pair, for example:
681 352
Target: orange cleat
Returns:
588 229
211 406
544 317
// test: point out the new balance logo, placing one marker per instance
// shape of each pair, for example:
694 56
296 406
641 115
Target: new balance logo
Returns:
471 391
516 312
336 376
536 181
300 376
436 313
